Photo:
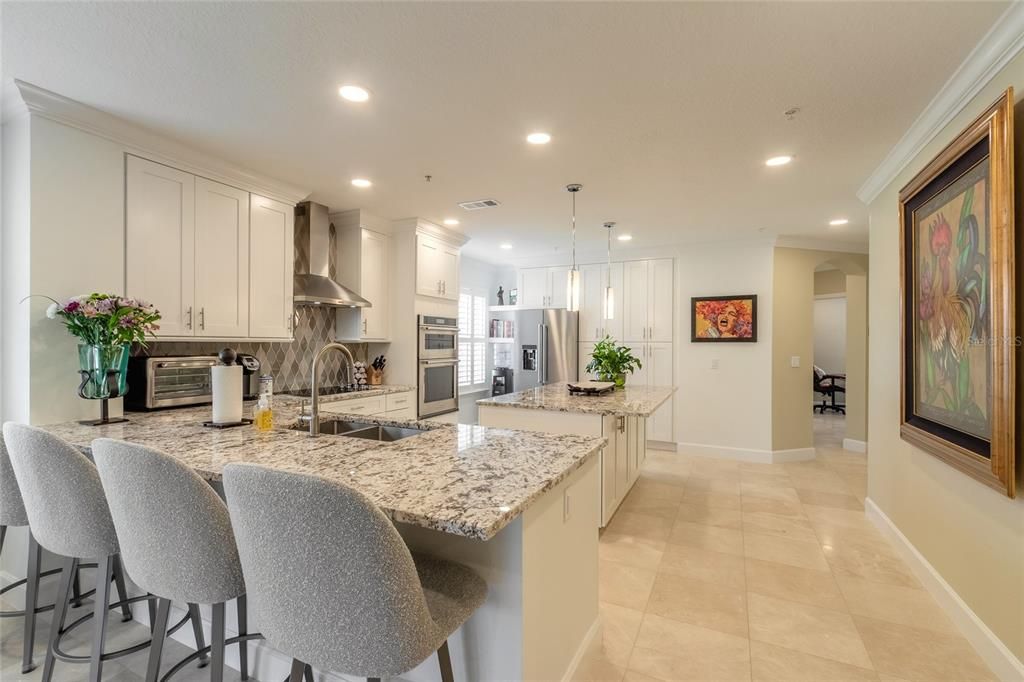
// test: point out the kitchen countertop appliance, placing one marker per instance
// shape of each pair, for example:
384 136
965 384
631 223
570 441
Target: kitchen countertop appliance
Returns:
171 381
250 375
502 381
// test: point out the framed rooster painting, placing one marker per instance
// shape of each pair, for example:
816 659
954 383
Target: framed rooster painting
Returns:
957 328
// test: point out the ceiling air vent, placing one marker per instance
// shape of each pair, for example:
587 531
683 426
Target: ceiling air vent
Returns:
479 204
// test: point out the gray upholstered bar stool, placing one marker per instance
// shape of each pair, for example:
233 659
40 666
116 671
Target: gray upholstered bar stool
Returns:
176 543
13 515
332 583
68 514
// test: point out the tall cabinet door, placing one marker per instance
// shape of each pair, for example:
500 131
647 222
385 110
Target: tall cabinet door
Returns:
428 270
160 242
271 268
533 288
448 272
374 284
558 278
660 373
660 300
614 278
222 259
635 304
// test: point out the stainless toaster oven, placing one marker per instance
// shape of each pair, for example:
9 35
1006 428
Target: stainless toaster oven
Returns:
173 381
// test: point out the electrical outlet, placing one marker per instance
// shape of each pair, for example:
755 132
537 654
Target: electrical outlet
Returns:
794 361
714 363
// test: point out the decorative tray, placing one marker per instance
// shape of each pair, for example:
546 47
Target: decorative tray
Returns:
591 387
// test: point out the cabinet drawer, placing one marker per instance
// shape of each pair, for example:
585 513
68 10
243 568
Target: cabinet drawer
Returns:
398 401
403 413
374 405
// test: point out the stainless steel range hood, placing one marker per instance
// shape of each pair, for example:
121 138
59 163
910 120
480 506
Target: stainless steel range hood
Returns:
313 283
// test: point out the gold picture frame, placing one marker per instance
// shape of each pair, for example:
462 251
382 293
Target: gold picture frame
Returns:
958 336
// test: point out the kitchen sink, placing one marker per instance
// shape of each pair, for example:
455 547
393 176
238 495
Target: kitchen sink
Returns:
376 432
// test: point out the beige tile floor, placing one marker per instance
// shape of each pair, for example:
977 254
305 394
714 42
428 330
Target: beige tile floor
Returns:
721 570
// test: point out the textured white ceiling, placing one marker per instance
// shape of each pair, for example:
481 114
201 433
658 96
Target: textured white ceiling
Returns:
665 112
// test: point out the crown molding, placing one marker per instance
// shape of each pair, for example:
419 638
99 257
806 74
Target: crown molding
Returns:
422 226
812 244
995 50
142 142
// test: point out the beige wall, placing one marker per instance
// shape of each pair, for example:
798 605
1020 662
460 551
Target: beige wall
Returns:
857 331
793 290
829 282
972 535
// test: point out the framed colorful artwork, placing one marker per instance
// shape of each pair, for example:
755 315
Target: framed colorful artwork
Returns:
723 319
958 332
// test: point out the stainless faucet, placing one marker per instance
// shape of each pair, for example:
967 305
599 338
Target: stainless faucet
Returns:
314 410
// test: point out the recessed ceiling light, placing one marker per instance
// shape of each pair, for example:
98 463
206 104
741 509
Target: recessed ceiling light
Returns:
451 221
778 161
506 246
538 138
354 93
625 237
361 182
838 221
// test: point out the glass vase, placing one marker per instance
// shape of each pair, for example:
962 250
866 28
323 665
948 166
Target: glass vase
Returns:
104 370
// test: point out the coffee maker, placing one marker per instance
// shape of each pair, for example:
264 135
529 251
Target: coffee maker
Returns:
501 381
250 376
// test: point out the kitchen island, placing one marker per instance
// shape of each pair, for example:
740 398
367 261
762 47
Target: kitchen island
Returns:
619 416
520 508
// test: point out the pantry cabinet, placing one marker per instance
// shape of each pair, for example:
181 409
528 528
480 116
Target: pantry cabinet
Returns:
437 268
648 300
190 250
271 266
594 326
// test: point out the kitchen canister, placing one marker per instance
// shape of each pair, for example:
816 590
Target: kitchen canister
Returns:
226 384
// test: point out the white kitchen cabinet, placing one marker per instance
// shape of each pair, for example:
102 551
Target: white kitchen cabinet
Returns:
363 266
534 287
660 373
437 268
374 280
648 300
592 302
558 278
160 225
271 268
614 277
222 260
585 349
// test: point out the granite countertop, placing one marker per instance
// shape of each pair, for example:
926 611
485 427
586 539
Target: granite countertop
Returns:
460 479
630 400
383 389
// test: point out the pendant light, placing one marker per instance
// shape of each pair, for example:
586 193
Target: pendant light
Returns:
572 288
609 293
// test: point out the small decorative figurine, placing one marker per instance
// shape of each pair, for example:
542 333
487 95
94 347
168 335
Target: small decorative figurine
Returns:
501 295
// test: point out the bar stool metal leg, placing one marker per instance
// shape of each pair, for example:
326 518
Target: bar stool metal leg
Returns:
31 603
217 644
122 594
444 660
298 668
197 632
243 645
60 611
101 602
159 634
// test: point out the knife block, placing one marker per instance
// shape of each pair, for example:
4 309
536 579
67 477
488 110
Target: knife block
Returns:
374 376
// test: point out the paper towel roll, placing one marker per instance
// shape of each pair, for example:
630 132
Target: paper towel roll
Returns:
227 393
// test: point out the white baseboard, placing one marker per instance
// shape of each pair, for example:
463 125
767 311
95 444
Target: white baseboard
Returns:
581 651
996 655
662 445
854 445
746 455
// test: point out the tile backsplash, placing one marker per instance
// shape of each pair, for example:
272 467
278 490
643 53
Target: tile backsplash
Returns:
290 363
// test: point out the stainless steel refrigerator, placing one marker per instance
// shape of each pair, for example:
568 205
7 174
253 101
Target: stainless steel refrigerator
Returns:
546 347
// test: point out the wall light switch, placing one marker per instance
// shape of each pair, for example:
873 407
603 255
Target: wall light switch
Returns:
714 363
794 361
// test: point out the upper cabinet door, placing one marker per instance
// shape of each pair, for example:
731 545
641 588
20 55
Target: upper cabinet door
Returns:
160 242
592 302
374 280
222 260
559 279
660 297
428 259
635 304
271 268
534 285
448 271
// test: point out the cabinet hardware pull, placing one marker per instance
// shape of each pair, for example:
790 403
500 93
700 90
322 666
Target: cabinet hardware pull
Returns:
202 318
364 326
188 325
622 424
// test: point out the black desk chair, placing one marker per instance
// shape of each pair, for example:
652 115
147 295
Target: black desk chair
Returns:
829 385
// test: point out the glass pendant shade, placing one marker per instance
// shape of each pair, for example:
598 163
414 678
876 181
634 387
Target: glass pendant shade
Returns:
572 291
609 303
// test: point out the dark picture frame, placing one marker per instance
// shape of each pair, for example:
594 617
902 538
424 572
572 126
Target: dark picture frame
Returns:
958 337
703 330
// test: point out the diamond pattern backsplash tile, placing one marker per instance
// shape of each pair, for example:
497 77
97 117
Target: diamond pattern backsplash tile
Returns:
290 363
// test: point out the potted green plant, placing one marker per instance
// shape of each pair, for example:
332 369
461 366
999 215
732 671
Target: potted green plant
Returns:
611 362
